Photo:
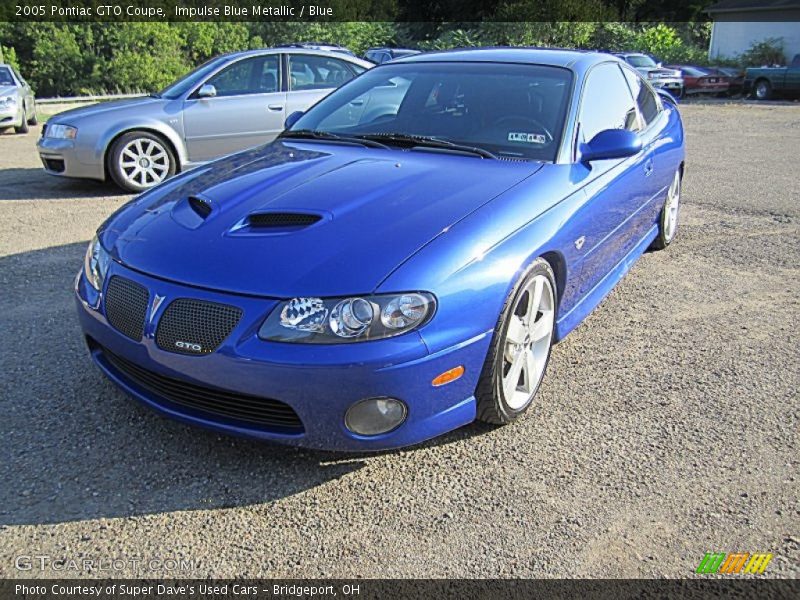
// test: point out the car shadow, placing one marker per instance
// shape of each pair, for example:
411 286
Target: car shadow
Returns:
35 184
76 447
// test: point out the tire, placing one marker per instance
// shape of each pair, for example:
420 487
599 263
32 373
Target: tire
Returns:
23 127
34 119
139 160
762 89
502 398
670 213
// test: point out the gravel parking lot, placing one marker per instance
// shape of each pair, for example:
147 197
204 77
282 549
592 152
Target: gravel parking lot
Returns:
666 427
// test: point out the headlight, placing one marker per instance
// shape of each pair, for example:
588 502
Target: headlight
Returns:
61 132
356 319
95 264
8 101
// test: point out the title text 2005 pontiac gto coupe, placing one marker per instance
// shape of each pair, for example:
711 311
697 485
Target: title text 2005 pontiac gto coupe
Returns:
400 261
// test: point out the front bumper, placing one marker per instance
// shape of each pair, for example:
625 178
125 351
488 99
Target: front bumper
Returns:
318 382
10 117
667 83
64 158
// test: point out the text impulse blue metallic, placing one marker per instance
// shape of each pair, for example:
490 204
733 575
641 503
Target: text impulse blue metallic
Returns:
400 261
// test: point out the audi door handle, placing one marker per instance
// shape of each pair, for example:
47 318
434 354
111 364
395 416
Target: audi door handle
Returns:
275 107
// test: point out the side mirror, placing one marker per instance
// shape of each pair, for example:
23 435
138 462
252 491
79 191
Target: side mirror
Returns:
206 91
611 143
293 118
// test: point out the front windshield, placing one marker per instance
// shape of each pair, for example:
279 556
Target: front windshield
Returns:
510 110
5 76
640 60
190 81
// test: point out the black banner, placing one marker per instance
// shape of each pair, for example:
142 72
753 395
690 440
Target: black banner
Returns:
459 11
369 589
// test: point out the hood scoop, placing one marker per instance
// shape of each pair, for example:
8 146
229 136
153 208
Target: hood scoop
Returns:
192 212
276 222
281 220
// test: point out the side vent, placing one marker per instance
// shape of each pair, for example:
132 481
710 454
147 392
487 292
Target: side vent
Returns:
200 207
281 220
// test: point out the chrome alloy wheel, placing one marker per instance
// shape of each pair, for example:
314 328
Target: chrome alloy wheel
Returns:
527 342
672 208
144 162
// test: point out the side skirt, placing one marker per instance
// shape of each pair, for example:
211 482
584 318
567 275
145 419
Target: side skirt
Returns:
590 301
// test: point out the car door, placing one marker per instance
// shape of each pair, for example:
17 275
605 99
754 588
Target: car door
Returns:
26 93
311 77
249 108
615 188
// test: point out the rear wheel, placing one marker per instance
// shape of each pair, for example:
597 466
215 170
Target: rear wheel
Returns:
33 119
763 89
139 160
668 222
520 348
23 127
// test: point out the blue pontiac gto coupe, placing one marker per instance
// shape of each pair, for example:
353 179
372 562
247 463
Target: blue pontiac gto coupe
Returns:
400 261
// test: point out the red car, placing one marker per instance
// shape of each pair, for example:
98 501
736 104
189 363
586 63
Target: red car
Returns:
700 80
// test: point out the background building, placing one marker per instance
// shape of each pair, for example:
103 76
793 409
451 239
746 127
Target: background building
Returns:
740 23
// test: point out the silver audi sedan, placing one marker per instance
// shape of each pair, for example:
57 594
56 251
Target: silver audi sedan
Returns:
17 103
228 104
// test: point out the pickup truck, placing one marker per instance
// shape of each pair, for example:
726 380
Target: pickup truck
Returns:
766 82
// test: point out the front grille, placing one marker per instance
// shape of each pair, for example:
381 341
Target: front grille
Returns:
126 306
195 326
231 406
277 219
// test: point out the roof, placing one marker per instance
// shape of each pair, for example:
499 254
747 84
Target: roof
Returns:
751 5
555 57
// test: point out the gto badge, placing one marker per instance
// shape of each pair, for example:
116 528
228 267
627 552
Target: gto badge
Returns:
189 346
579 242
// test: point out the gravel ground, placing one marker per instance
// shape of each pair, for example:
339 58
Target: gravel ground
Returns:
666 427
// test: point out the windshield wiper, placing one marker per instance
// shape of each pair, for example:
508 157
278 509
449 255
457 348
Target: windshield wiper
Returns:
422 141
312 134
154 95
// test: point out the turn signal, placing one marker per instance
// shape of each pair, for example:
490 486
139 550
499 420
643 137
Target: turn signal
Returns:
448 376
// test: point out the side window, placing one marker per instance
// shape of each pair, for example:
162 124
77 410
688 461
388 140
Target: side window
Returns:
5 76
645 98
308 72
258 75
607 102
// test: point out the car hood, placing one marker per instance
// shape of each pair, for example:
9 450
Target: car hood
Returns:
376 208
118 106
8 90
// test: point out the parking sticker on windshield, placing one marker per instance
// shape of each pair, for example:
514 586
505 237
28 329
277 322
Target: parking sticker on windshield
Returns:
526 138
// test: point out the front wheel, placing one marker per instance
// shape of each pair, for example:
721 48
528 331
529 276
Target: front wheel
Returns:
139 160
520 348
668 220
23 127
763 90
33 119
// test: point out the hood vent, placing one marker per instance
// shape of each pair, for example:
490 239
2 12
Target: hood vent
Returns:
200 207
281 220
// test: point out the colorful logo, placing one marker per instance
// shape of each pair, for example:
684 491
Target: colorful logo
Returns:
734 563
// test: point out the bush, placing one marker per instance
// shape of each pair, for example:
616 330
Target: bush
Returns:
765 53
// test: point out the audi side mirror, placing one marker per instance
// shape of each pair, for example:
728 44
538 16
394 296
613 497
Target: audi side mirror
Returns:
207 91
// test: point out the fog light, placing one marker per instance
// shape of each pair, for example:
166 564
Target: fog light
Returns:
375 416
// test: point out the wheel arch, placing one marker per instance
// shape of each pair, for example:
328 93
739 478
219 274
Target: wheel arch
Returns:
177 149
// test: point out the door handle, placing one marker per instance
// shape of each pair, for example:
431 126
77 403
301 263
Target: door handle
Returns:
357 103
648 167
275 107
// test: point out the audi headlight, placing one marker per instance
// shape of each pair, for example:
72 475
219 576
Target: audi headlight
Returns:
355 319
8 101
61 132
95 264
